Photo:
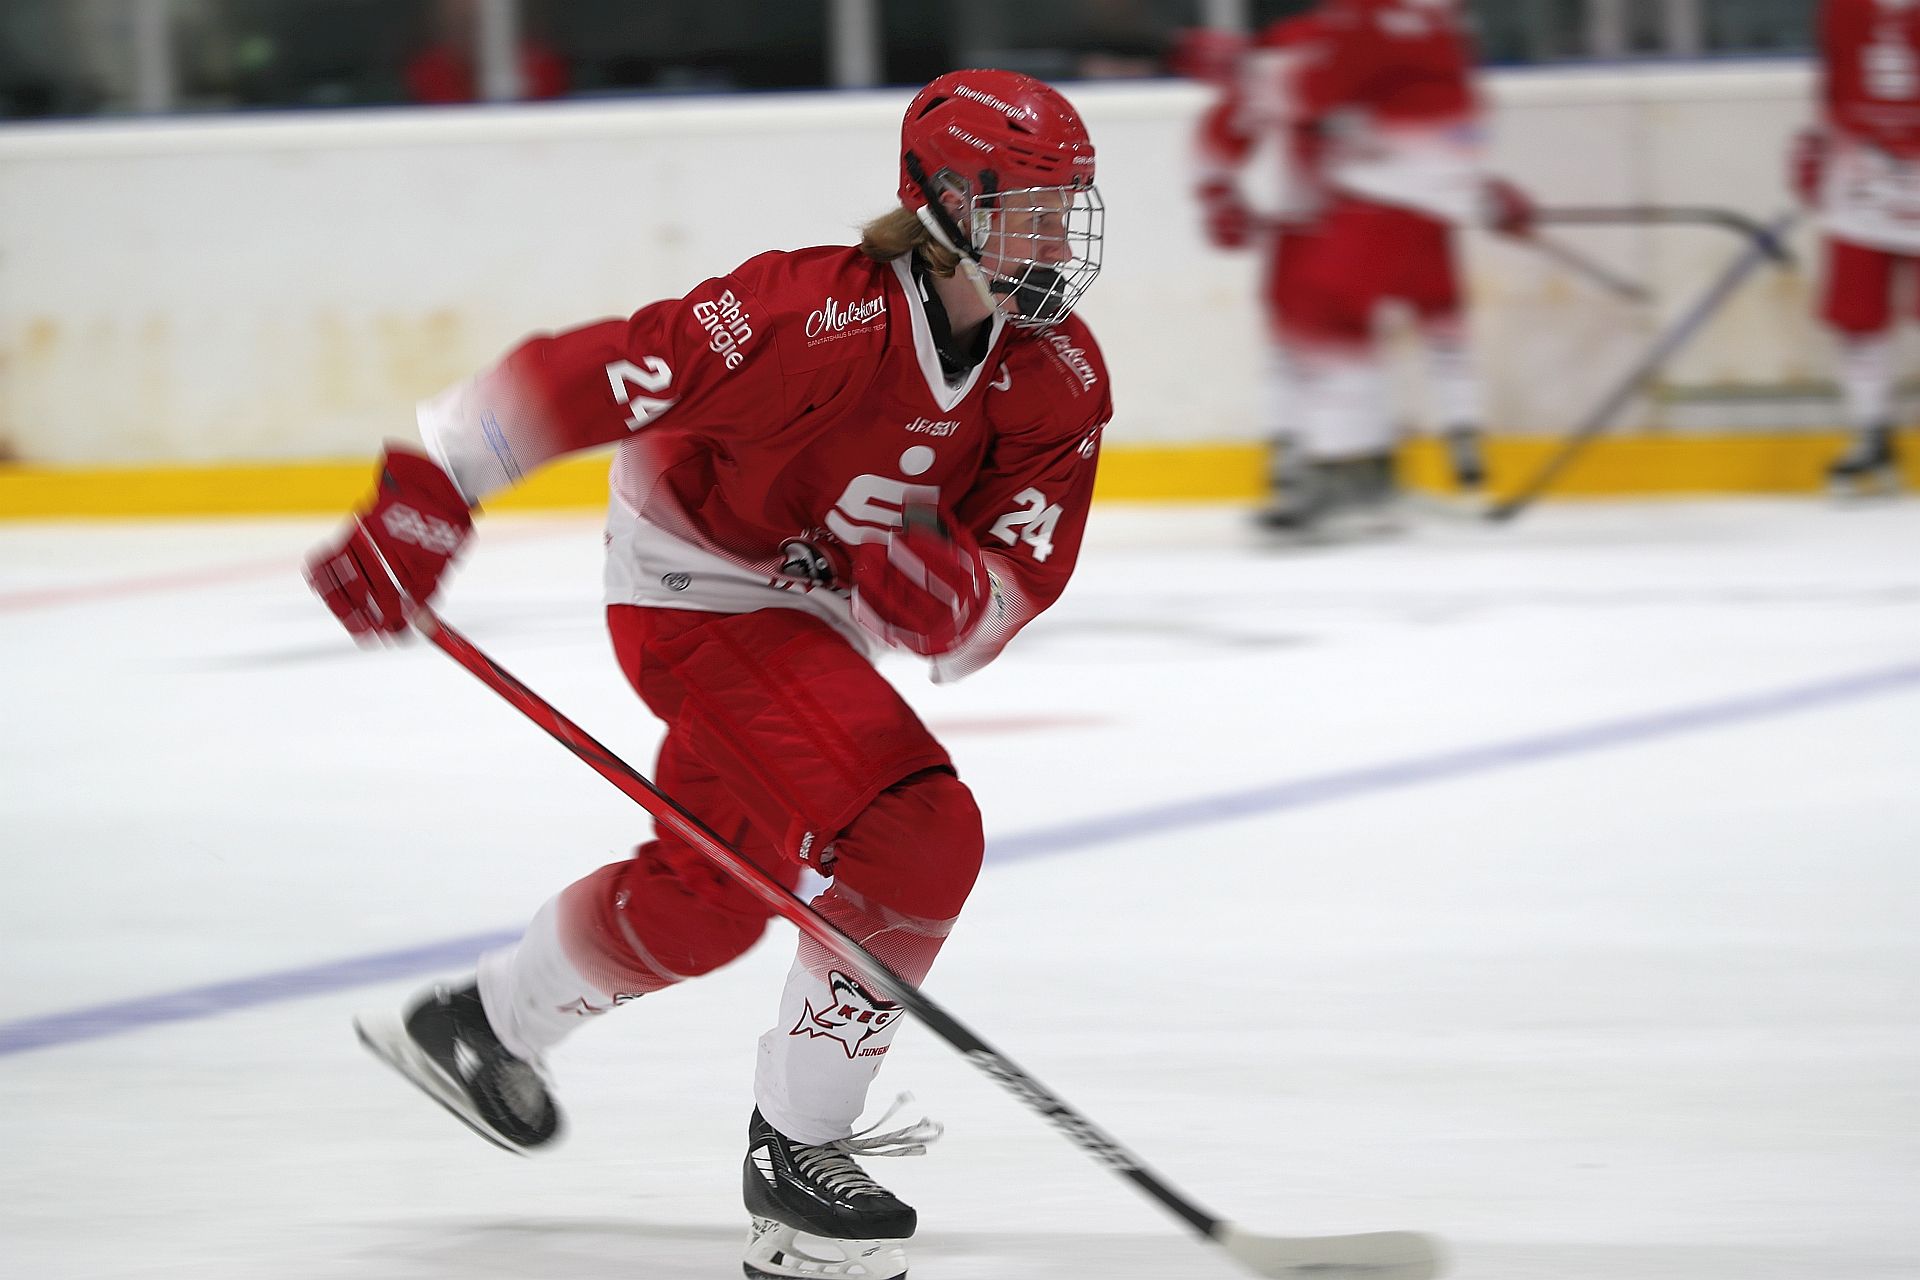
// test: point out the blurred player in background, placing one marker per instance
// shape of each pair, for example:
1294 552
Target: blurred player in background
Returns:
445 70
1369 105
1860 168
821 454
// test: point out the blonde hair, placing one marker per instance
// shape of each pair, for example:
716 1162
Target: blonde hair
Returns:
899 232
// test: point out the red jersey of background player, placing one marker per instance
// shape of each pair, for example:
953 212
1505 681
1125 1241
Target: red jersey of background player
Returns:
778 415
1260 93
1374 98
1870 51
1861 168
1405 62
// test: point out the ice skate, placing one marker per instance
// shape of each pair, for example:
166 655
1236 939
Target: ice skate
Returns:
1296 507
444 1045
816 1212
1335 501
776 1251
1297 494
1870 466
1466 499
1467 457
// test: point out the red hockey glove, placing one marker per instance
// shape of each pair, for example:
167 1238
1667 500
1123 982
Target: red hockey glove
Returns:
1229 222
1510 211
399 545
1807 165
924 587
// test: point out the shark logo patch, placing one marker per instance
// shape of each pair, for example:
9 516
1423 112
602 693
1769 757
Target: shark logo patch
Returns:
853 1015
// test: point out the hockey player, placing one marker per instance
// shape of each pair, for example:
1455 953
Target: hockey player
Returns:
1369 104
820 454
1860 168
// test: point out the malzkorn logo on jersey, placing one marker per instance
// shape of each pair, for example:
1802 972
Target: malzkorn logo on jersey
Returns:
854 1016
1075 359
726 323
835 317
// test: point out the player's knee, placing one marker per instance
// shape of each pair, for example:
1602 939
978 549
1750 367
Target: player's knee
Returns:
916 849
654 920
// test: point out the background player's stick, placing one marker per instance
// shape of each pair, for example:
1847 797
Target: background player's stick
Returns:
1759 251
1628 215
1581 265
1561 252
1375 1255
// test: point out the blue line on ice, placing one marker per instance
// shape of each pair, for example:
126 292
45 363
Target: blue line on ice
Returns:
454 953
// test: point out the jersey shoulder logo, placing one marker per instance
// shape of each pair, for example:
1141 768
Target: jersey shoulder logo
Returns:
729 328
1074 359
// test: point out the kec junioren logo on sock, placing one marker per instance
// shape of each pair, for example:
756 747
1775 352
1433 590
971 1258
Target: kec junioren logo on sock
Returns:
853 1016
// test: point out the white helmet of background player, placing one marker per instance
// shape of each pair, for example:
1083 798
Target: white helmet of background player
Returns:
999 168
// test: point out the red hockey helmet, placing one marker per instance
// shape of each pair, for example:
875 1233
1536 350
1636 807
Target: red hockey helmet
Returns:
1017 157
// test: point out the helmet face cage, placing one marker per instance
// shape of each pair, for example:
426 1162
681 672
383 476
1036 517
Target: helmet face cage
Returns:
998 165
1040 246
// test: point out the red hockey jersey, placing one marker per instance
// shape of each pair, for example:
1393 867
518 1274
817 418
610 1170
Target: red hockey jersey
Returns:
1870 60
789 409
1384 88
1262 100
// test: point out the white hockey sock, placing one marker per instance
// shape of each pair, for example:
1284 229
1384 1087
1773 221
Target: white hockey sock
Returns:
533 995
1866 379
1342 404
1279 398
1451 380
817 1062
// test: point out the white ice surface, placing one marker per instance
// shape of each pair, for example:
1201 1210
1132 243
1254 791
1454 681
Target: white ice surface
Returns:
1635 1012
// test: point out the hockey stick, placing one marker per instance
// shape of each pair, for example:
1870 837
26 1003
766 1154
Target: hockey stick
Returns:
1374 1255
1758 251
1581 265
1642 214
1567 256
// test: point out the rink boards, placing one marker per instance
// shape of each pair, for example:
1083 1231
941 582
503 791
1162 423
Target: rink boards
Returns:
1779 463
287 286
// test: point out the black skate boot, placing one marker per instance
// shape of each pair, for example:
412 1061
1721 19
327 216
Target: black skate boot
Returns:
1468 459
1369 490
1335 499
816 1213
1302 496
444 1044
1869 466
1294 491
1374 482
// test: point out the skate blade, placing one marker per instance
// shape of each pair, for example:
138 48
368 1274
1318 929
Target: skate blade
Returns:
1873 488
1335 529
1461 507
776 1251
385 1036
